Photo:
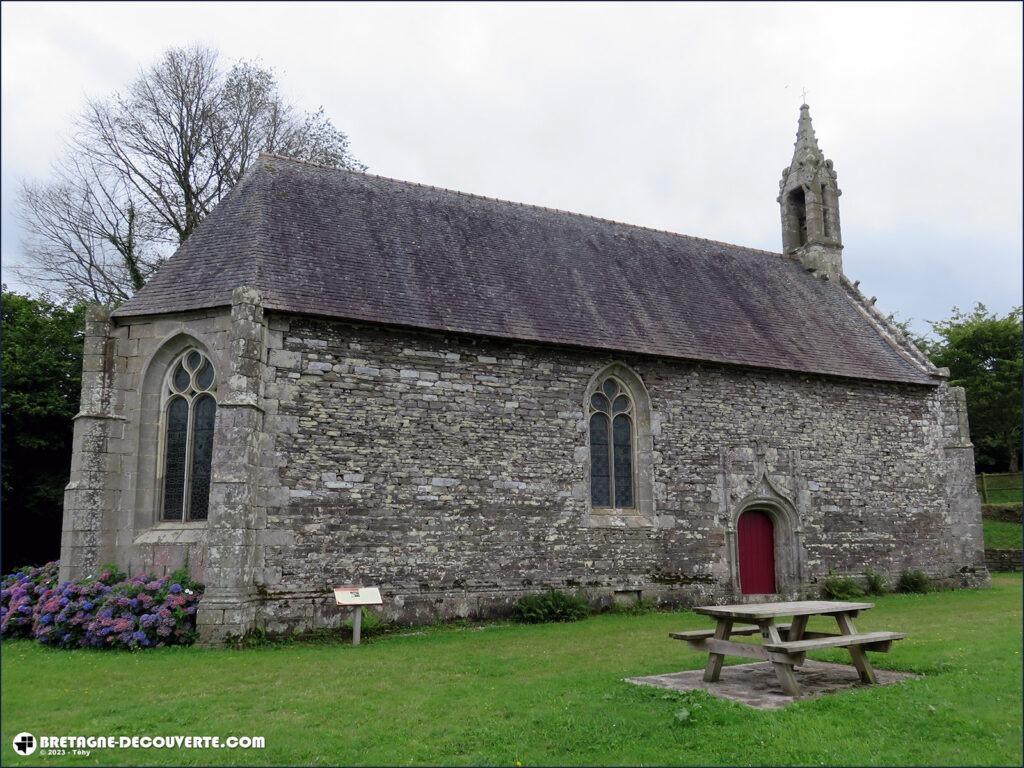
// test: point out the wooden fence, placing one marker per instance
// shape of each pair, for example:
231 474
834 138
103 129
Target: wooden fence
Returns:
1001 488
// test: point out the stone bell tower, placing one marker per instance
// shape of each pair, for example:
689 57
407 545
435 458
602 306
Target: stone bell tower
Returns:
809 201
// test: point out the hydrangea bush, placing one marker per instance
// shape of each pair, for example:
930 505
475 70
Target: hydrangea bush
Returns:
109 610
146 611
19 593
65 611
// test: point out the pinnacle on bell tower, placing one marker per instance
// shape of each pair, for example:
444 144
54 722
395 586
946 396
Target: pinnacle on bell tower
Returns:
809 202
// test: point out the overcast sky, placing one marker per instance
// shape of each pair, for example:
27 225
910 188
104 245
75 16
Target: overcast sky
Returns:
679 117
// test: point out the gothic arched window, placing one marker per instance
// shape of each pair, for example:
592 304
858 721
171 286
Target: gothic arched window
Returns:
188 415
612 445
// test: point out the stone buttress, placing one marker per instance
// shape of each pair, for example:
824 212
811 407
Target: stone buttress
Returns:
236 512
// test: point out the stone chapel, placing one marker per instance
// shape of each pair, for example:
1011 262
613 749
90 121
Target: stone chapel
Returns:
342 378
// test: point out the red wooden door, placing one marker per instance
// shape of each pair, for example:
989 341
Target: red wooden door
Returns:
757 553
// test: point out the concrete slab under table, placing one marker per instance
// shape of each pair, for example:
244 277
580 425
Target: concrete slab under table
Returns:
756 685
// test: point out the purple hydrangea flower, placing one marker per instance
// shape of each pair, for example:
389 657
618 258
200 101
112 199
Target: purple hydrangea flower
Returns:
111 611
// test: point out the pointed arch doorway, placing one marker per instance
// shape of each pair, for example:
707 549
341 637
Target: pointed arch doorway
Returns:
755 534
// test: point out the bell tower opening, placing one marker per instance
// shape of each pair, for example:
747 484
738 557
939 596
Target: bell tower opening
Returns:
798 209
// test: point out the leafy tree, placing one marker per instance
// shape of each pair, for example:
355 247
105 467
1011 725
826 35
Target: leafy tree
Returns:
983 353
149 163
42 370
906 327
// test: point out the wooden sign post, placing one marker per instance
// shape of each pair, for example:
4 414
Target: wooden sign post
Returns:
356 597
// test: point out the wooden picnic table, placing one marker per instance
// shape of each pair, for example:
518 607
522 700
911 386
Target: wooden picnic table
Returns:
785 645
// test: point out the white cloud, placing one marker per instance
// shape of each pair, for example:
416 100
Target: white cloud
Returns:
674 116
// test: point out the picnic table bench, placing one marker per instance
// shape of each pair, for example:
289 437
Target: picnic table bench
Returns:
785 645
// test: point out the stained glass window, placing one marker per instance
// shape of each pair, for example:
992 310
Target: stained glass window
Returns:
623 450
174 466
189 415
203 410
611 455
600 480
205 376
180 380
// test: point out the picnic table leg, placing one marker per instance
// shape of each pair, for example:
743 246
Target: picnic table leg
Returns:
796 629
784 672
858 654
714 666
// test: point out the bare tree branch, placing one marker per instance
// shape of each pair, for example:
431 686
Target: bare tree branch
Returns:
148 165
85 235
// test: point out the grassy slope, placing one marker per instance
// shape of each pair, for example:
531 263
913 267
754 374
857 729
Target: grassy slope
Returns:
539 694
1000 534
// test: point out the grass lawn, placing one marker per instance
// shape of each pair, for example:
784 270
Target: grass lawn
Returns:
548 694
1000 534
1004 496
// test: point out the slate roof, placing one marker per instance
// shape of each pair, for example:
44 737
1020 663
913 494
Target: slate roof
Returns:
351 245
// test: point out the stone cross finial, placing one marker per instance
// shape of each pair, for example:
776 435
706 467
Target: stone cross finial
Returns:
803 96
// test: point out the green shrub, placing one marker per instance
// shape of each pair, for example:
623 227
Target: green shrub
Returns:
876 584
634 607
914 581
553 605
372 624
110 573
841 588
257 637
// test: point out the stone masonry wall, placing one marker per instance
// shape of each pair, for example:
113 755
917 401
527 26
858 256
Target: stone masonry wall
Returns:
452 472
1003 559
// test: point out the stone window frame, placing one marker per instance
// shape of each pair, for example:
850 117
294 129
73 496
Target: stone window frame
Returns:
169 393
611 415
642 513
147 513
